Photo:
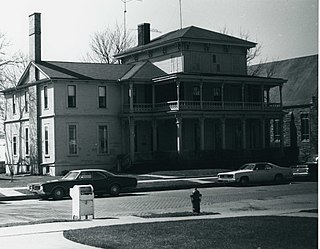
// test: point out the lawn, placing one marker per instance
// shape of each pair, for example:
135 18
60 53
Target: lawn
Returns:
265 232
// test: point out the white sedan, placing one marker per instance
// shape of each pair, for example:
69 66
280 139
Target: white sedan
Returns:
256 173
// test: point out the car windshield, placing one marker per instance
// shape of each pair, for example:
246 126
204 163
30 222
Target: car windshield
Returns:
247 166
71 176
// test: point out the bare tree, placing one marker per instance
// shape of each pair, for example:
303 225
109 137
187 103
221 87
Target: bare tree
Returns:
105 44
252 53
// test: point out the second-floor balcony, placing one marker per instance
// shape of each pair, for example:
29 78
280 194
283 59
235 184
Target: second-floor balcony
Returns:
175 106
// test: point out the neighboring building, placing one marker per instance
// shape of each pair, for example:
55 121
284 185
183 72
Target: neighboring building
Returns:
300 102
184 97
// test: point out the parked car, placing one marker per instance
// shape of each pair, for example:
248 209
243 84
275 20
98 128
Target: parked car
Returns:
103 182
308 171
259 172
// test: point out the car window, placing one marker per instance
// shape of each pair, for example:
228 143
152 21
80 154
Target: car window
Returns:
260 167
71 175
85 175
268 167
98 176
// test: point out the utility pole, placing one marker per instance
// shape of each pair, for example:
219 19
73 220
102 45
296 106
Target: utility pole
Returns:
180 14
124 16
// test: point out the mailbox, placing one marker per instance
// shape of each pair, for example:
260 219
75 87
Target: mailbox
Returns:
82 201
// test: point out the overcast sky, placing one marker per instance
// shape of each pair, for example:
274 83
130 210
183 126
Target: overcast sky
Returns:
286 28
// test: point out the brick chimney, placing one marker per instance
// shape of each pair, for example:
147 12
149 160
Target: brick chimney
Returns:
143 34
35 37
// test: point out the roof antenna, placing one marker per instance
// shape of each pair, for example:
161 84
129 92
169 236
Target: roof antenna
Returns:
180 14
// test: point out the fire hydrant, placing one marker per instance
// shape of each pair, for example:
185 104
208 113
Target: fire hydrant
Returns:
195 200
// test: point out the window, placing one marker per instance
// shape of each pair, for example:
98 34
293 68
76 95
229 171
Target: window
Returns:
196 93
103 139
85 175
45 97
102 97
26 100
276 130
13 104
71 96
72 139
305 130
225 48
214 58
27 141
46 140
14 145
217 93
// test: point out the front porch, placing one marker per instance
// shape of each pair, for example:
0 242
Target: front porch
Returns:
205 140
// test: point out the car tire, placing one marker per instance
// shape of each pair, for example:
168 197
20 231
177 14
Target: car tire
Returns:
278 179
114 190
58 193
244 181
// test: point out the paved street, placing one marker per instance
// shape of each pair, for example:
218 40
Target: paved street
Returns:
287 198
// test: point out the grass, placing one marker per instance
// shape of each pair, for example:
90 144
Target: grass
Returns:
265 232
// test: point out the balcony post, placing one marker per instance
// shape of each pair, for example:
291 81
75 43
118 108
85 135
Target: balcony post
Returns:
178 94
280 91
281 135
222 95
262 97
131 96
179 134
153 97
242 92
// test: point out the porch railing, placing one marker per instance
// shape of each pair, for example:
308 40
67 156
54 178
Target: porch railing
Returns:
198 106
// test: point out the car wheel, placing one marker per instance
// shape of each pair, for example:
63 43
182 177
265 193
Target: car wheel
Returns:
244 181
58 193
114 190
278 178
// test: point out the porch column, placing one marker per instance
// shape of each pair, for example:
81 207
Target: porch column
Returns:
244 135
154 135
263 133
122 98
179 134
132 135
131 96
201 133
223 126
201 97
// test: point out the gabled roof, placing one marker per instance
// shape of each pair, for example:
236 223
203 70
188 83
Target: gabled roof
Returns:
191 33
82 71
143 71
302 76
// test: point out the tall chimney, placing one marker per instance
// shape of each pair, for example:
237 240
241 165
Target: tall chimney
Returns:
143 34
35 37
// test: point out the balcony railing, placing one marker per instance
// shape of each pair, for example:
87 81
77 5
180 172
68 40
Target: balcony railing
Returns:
201 106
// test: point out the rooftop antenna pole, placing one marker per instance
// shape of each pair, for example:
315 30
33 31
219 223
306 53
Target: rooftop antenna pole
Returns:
180 14
124 16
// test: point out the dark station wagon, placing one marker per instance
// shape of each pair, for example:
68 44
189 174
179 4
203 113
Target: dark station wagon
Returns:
103 182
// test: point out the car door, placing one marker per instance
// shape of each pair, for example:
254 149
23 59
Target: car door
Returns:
99 182
260 174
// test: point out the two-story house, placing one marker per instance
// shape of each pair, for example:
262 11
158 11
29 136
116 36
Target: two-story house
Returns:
183 98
